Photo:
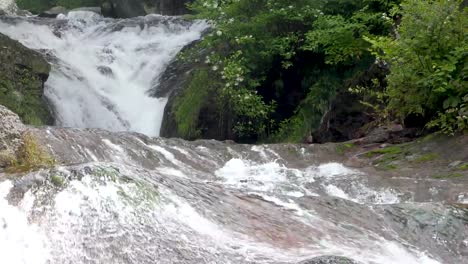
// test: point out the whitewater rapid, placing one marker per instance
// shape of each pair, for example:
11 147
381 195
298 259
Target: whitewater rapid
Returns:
128 198
102 69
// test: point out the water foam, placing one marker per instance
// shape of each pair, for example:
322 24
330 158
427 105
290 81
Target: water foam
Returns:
21 242
102 69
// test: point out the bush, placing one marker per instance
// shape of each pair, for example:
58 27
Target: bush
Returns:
428 60
276 58
38 6
30 156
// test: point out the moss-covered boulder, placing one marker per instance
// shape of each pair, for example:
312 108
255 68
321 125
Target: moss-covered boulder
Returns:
23 73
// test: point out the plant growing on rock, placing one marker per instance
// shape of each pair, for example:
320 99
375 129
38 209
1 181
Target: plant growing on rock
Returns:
282 62
428 60
30 156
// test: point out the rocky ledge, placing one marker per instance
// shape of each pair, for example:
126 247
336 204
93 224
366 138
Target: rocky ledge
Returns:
23 73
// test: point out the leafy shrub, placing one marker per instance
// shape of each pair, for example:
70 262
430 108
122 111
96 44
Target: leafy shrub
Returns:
253 40
30 156
428 61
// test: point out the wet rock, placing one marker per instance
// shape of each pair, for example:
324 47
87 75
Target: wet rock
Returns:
11 129
105 70
8 7
95 9
54 12
23 73
329 260
455 164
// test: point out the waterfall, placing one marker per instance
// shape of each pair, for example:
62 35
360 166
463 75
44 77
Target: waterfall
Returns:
131 198
102 68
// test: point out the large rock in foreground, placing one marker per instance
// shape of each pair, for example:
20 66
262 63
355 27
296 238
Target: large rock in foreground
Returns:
11 129
23 73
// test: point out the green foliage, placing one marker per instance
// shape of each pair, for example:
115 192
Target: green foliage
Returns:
448 176
344 147
23 97
34 6
463 167
394 150
253 38
429 63
30 156
427 157
37 6
77 3
187 107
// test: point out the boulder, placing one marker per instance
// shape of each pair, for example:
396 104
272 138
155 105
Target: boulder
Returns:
94 9
8 7
329 260
54 12
11 129
23 73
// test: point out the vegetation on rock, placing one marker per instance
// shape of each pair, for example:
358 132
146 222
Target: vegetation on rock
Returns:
282 63
30 156
37 6
23 73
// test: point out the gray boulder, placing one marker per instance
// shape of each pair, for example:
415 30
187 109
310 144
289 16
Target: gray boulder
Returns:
11 129
94 9
23 73
329 260
54 12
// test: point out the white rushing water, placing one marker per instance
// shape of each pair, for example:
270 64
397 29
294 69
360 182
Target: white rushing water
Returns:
101 219
102 69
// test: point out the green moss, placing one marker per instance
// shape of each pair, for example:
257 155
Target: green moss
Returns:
389 167
37 6
448 176
394 150
463 167
427 157
187 107
31 156
344 147
57 180
22 74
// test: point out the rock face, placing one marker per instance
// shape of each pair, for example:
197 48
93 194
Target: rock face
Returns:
23 73
134 8
11 129
8 7
54 12
193 110
329 260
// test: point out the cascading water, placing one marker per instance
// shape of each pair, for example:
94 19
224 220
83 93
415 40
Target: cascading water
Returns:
133 199
128 198
103 68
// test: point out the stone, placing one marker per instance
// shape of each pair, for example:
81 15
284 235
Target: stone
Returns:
455 164
94 9
54 12
23 73
329 260
11 129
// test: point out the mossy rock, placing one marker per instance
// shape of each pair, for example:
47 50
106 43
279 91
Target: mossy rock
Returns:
30 156
23 73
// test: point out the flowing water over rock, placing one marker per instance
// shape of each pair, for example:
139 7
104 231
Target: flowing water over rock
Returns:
129 198
103 68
